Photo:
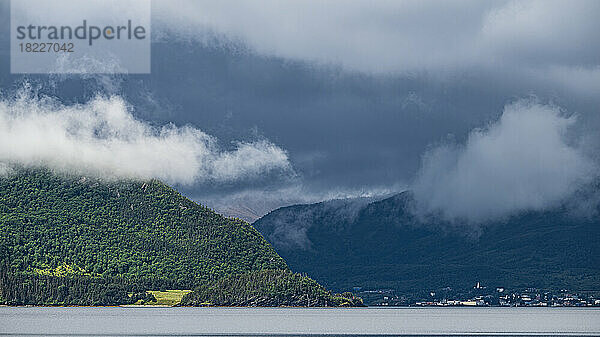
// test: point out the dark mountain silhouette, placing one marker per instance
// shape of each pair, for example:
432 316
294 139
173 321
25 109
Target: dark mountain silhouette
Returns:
383 245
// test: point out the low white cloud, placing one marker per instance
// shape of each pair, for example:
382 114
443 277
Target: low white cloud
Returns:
102 137
524 161
5 170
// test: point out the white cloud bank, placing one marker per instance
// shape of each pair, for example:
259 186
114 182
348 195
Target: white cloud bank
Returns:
404 36
385 35
103 138
524 161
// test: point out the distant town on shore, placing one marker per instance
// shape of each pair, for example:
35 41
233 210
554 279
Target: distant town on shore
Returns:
480 295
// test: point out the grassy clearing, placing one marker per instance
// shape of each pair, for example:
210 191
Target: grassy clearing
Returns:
169 297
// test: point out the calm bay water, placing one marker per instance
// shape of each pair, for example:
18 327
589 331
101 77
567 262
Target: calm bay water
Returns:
118 321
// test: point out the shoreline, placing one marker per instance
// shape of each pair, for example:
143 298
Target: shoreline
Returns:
297 307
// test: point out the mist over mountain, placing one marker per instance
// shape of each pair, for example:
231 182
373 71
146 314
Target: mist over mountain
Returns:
531 158
103 138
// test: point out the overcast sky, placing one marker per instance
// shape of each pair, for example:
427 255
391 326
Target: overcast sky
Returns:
276 102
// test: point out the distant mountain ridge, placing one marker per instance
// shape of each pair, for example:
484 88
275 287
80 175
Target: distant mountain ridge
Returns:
381 245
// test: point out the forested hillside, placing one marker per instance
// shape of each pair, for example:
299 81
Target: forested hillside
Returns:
80 240
383 246
268 288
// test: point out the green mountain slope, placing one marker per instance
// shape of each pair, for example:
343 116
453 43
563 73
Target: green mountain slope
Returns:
382 246
54 224
84 241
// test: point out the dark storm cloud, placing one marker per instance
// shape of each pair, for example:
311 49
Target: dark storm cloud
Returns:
354 92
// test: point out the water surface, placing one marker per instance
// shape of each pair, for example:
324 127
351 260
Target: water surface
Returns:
123 321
